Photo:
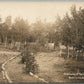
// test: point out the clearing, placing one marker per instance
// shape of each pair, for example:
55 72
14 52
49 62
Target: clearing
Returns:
51 67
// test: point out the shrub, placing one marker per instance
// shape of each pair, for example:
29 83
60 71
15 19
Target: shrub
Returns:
28 57
31 65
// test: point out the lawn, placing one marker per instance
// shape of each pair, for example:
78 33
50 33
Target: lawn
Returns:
51 67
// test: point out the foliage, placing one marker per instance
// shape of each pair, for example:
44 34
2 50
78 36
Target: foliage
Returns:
68 31
29 59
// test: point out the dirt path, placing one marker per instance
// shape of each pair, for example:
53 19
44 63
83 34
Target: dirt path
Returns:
5 56
16 72
14 69
50 65
51 68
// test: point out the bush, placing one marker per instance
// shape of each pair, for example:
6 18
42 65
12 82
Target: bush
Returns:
31 65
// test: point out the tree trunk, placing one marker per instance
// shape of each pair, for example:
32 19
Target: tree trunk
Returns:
5 42
11 46
19 45
25 43
67 51
60 52
83 55
77 54
73 52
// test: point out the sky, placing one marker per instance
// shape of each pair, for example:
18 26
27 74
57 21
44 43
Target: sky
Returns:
31 10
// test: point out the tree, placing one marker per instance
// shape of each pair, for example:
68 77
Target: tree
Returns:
8 24
57 26
3 32
39 33
72 30
20 27
78 28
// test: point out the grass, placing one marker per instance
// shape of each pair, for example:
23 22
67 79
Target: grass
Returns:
5 54
51 67
17 72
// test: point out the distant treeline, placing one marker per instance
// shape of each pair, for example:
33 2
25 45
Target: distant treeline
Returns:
68 31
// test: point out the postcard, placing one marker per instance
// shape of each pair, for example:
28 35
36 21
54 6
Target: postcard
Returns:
41 42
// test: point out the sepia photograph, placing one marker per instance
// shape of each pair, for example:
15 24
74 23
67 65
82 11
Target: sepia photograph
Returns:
41 42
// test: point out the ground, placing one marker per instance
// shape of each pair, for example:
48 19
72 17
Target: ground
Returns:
14 68
16 72
5 54
51 67
51 64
